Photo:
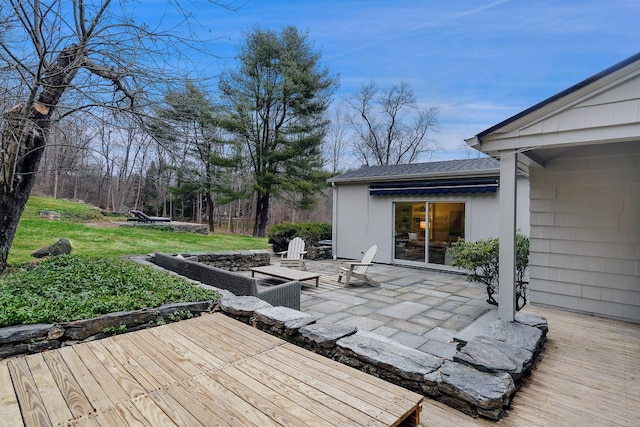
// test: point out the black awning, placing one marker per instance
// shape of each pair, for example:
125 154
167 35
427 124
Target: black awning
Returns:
455 186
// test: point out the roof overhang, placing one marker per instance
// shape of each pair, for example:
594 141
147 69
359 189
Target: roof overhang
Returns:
599 110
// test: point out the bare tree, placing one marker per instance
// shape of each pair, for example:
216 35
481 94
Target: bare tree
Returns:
63 56
390 127
62 157
335 138
121 148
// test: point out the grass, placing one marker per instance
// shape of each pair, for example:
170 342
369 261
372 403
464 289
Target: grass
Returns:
66 288
35 232
93 280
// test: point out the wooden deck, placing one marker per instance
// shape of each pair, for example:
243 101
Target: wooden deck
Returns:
205 371
589 375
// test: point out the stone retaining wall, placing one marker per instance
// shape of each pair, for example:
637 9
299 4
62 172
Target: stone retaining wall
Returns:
319 252
183 227
25 339
480 381
234 260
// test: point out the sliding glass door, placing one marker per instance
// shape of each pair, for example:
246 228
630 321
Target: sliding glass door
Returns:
423 232
409 233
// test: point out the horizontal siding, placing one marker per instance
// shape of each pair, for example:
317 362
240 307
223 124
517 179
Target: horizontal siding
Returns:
587 234
585 231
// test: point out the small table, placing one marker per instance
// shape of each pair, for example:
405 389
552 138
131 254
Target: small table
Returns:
285 273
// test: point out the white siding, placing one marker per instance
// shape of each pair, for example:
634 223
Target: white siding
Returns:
585 231
351 224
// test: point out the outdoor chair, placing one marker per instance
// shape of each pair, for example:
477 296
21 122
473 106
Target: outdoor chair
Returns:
140 216
294 255
356 269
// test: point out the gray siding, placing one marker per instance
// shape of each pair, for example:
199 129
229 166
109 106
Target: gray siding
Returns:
585 231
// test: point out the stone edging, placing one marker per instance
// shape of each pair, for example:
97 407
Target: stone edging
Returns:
475 382
25 339
242 260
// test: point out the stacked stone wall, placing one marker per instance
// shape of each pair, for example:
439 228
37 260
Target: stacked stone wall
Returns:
475 383
26 339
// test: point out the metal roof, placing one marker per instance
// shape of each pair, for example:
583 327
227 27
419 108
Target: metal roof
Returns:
430 170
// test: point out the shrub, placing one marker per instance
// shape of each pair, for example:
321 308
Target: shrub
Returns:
66 288
311 232
481 259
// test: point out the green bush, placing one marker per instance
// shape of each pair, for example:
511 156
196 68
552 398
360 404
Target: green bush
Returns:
311 232
481 259
66 288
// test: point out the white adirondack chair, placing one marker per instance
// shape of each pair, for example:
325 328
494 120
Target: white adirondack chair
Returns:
356 269
293 257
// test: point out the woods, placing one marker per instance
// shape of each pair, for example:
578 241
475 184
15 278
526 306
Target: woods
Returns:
94 107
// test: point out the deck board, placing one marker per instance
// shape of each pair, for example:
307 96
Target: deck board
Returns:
52 397
9 408
210 370
588 374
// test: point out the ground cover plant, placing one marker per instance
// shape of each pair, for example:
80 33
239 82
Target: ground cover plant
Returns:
66 288
90 234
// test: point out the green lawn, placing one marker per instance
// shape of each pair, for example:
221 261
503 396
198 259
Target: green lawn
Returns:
34 233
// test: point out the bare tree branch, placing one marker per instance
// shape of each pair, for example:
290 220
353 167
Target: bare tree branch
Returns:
390 128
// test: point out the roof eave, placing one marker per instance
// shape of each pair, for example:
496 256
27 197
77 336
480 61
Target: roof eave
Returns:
620 65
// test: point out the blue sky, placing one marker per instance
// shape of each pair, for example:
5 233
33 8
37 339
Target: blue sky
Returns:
479 61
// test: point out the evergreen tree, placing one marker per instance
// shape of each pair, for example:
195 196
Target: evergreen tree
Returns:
188 121
275 100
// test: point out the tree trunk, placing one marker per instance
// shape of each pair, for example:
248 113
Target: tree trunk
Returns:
23 143
11 206
262 215
209 211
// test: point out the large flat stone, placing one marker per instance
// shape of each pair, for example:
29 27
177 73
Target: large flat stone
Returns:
438 348
477 327
19 333
403 310
285 319
489 355
81 329
242 306
326 335
516 334
389 355
533 320
490 392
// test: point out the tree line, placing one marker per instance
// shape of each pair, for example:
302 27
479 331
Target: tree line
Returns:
87 113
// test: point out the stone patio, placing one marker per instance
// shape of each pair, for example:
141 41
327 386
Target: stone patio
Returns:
422 309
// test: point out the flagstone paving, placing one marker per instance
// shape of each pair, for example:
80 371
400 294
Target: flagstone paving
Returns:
420 308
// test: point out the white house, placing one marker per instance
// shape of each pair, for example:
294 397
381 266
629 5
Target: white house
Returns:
414 212
581 149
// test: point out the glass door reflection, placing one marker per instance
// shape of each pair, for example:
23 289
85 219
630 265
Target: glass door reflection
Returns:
410 226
